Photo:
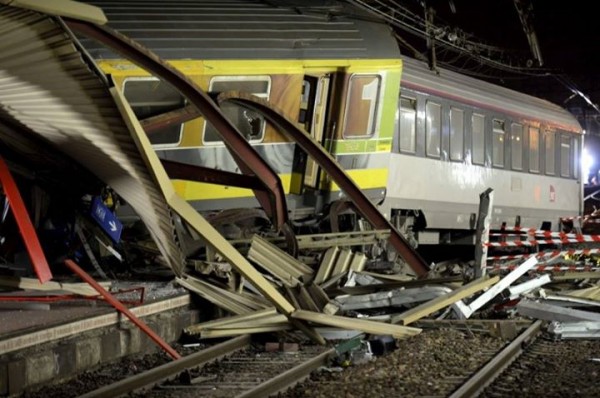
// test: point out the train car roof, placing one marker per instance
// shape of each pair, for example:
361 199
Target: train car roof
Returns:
478 93
247 29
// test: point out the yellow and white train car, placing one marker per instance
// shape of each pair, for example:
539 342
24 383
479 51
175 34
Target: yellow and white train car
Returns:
422 145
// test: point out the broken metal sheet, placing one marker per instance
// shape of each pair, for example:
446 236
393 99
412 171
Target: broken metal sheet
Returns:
361 279
359 260
575 330
576 276
336 334
342 263
244 318
229 332
436 304
194 219
515 291
46 85
327 263
332 281
63 8
214 297
254 303
376 285
590 293
391 278
82 289
327 240
306 301
279 263
502 284
265 317
274 268
318 295
549 312
567 301
391 298
364 325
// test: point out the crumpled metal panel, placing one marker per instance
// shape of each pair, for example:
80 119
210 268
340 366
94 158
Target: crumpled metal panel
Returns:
46 86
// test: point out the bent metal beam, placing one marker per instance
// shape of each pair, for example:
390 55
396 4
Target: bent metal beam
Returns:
272 199
328 163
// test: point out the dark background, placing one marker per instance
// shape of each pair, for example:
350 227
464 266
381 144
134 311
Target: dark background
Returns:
490 43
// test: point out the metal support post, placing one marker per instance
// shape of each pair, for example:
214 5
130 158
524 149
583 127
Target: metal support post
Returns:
112 300
486 200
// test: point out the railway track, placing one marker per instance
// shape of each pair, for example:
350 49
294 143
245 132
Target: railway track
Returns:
235 368
534 365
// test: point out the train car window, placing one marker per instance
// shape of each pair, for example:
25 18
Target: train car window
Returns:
498 143
433 128
549 152
408 125
534 149
565 155
457 133
249 123
478 130
362 106
150 97
516 146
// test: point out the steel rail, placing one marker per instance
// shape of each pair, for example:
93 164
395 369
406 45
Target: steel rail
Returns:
477 382
288 378
168 370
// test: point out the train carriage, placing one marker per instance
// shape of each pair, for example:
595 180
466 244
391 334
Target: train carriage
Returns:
457 136
338 77
422 144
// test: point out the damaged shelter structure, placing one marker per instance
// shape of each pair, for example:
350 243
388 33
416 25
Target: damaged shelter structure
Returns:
57 108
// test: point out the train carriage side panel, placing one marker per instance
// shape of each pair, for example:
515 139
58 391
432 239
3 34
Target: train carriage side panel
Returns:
524 148
281 45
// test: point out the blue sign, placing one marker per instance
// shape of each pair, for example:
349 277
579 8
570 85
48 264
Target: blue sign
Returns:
106 219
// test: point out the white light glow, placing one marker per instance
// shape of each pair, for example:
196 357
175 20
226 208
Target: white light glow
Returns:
586 162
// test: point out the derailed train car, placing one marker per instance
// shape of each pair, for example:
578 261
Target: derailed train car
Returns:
423 145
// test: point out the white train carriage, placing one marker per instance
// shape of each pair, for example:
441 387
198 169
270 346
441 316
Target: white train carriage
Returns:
457 136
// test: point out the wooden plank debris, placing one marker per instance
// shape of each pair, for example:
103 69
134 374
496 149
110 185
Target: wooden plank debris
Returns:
327 263
390 298
280 264
234 319
226 299
549 312
567 276
262 321
82 289
342 264
358 262
198 223
364 325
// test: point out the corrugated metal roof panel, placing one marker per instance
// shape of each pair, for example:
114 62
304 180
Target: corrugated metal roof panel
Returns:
239 29
46 86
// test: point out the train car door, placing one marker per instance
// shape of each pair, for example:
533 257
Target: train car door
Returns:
315 97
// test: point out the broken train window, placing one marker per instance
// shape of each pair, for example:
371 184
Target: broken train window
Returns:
249 123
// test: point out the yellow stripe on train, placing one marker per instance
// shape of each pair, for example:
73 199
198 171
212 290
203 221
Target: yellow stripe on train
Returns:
191 190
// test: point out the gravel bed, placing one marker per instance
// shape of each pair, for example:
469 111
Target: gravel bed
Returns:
421 365
560 369
430 364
